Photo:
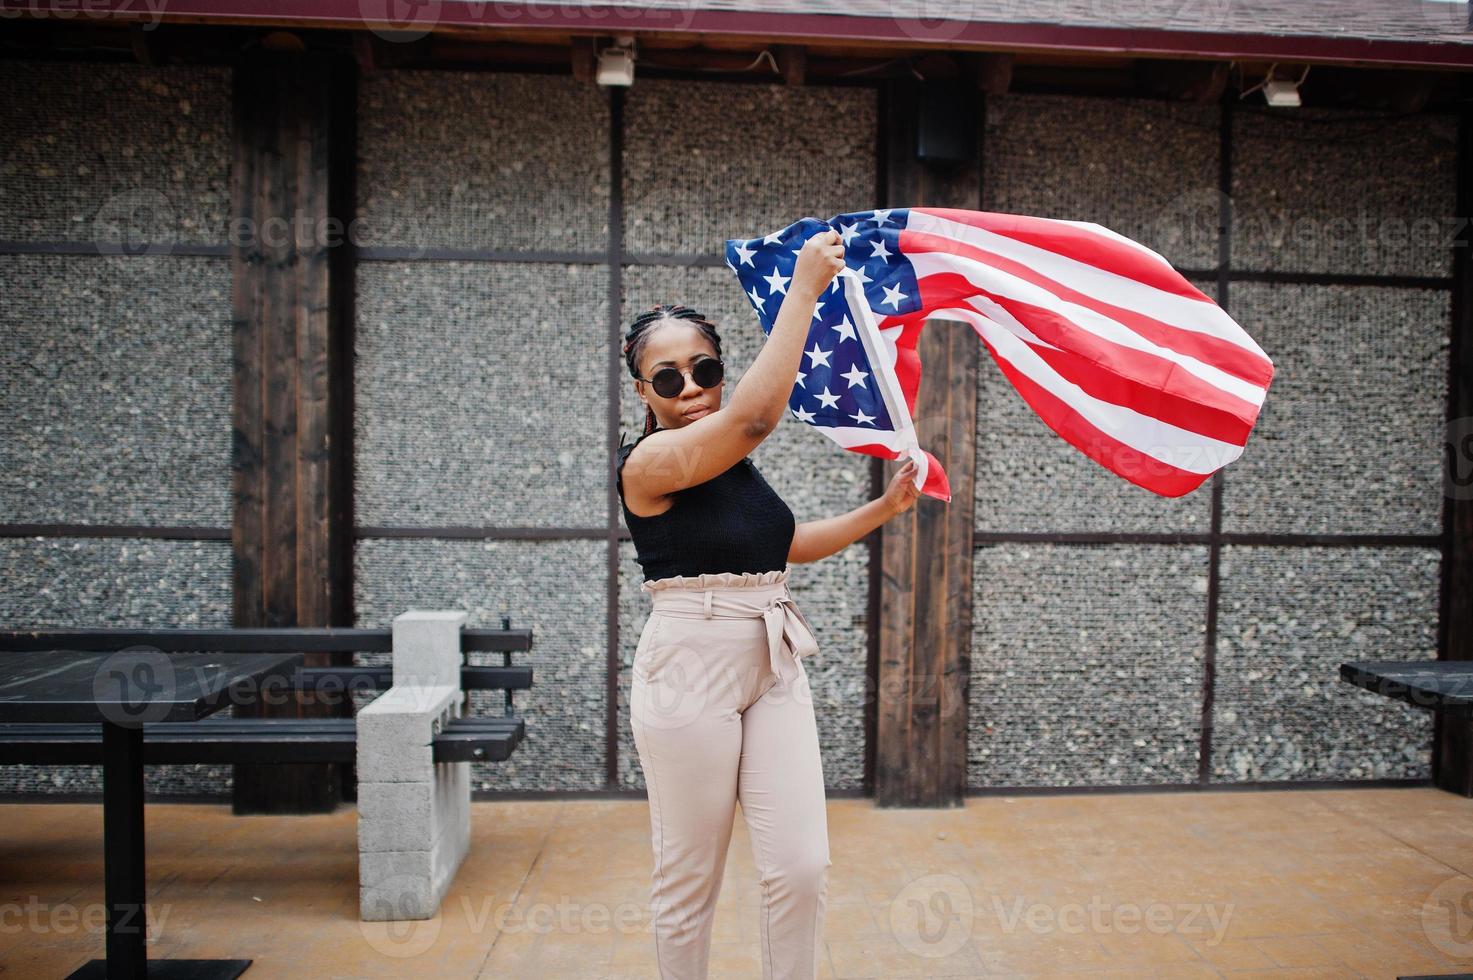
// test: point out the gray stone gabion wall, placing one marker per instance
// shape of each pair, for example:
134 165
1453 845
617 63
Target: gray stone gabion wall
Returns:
116 365
481 386
1088 659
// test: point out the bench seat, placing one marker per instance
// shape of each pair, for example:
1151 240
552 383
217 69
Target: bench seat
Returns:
223 741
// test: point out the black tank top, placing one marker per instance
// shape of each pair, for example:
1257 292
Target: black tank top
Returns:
734 522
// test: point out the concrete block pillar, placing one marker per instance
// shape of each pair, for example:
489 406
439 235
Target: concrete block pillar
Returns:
413 813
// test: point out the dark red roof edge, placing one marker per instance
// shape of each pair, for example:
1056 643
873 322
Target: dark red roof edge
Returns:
787 27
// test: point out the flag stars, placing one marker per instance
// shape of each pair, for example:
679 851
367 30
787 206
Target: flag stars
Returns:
757 301
801 376
744 255
893 296
773 238
778 282
862 418
882 215
803 415
818 356
829 399
845 330
880 251
855 376
847 232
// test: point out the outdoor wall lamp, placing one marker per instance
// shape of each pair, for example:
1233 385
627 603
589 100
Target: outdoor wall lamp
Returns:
1279 91
616 64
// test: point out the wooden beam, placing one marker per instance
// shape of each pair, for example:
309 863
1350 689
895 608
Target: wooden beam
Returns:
994 73
584 55
1187 81
292 447
1387 89
792 61
935 66
373 52
144 47
364 52
920 738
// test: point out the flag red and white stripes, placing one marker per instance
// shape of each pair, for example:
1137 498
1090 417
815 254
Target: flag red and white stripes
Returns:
1113 348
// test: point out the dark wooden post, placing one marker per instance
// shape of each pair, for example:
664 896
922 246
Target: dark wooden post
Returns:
1452 751
926 554
292 455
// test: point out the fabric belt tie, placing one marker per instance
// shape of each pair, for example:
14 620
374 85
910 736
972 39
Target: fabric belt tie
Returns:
789 634
787 630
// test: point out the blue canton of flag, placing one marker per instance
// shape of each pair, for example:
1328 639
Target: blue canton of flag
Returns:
836 383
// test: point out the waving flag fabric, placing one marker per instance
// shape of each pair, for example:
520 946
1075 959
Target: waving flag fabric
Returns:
1113 348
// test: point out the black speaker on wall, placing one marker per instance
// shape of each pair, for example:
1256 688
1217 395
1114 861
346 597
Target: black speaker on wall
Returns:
946 121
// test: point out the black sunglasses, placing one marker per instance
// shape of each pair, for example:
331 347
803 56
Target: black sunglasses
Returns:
668 382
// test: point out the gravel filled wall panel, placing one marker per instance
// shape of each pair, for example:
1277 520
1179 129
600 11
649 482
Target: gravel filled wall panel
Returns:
1087 664
708 161
483 160
115 364
124 155
1141 167
1350 437
480 394
116 392
1288 618
480 386
1317 190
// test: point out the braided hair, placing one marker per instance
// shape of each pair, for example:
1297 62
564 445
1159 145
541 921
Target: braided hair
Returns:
638 337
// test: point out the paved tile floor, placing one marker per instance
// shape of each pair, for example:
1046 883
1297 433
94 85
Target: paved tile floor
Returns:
1303 883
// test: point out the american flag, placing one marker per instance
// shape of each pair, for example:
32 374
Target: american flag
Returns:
1113 348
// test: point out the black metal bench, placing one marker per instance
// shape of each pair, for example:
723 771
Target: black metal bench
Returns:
1438 685
231 740
255 740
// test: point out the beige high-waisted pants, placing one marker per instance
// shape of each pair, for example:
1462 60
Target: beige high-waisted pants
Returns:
721 712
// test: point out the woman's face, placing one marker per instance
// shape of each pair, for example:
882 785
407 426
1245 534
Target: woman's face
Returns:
679 345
